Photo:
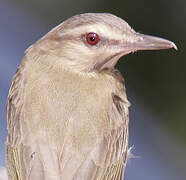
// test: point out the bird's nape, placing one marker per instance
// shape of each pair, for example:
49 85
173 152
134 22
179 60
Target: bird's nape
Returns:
67 108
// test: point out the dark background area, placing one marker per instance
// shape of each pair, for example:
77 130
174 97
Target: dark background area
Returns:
155 80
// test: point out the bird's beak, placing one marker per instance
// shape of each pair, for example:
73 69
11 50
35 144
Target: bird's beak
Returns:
147 42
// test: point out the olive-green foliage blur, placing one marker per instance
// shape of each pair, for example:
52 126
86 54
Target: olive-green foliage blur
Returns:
158 78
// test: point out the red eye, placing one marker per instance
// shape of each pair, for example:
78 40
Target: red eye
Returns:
92 38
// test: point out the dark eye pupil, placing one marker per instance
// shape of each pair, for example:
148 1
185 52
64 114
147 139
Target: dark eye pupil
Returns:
92 38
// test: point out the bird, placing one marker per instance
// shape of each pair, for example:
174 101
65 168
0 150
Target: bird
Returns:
67 107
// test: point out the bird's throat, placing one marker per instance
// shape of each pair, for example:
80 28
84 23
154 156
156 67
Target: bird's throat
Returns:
109 62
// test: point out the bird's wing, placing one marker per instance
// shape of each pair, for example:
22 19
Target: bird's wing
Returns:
104 155
109 157
108 160
20 146
54 136
114 147
14 116
101 158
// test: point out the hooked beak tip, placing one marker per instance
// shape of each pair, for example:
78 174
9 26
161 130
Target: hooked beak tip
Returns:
174 46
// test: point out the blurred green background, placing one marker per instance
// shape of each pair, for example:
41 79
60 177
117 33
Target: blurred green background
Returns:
155 80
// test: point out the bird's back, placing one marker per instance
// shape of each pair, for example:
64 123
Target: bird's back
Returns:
65 130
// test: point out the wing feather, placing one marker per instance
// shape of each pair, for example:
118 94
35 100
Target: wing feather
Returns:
60 139
14 109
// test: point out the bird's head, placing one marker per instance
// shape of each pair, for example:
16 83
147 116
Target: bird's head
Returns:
93 41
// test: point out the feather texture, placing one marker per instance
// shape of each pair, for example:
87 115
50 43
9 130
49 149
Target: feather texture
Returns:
67 109
56 134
